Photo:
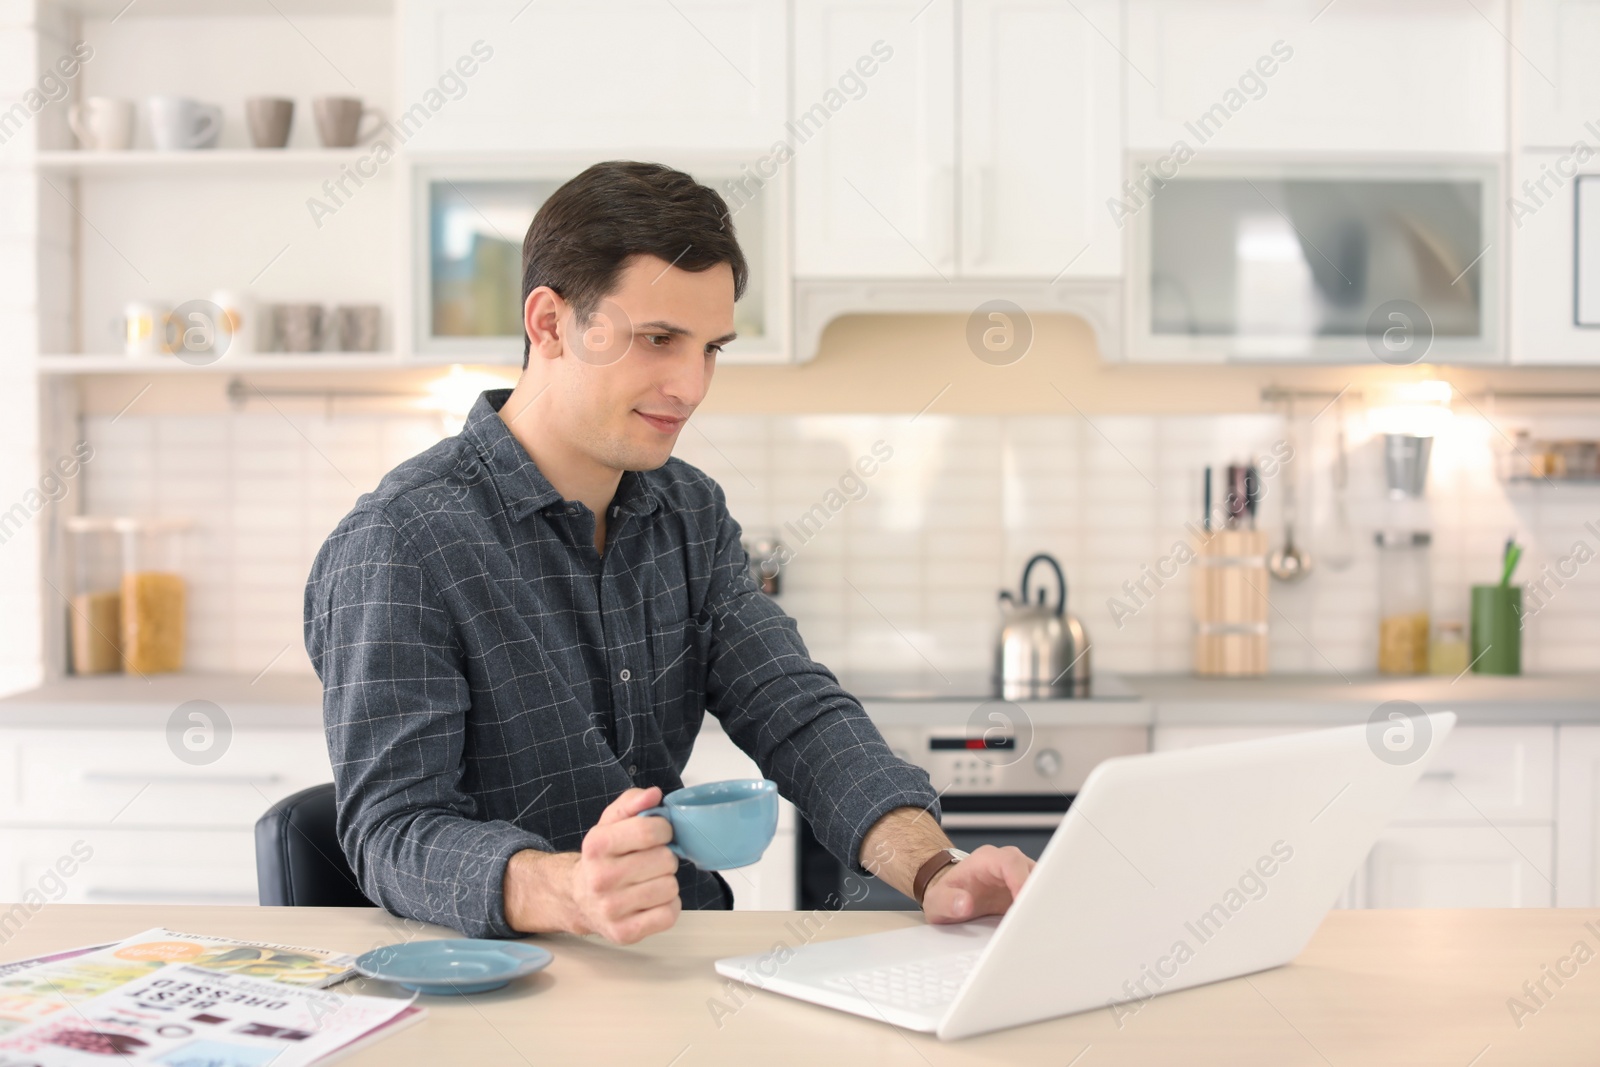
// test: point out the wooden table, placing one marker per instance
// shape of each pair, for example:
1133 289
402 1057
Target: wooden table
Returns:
1373 987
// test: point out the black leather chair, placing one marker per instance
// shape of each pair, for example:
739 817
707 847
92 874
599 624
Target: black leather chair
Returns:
298 859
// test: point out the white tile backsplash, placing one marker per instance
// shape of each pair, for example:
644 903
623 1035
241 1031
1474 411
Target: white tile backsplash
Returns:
899 568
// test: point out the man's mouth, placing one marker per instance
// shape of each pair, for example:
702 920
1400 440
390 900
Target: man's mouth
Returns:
664 423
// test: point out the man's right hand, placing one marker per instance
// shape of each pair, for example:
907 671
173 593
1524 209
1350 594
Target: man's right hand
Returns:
623 885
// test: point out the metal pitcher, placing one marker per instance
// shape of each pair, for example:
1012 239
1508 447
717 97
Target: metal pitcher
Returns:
1043 651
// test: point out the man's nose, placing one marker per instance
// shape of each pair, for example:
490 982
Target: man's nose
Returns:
686 385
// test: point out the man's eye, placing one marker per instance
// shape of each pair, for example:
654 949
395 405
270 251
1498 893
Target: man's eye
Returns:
713 350
660 340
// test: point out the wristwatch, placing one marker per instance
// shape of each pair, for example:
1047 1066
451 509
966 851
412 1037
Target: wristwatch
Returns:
932 866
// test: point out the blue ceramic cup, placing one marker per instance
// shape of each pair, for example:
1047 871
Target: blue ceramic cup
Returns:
718 826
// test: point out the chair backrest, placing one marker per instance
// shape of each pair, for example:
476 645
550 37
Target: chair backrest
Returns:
298 859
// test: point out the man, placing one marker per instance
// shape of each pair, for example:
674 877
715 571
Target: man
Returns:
519 631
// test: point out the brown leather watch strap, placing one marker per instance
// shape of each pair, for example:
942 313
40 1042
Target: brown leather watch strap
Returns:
930 867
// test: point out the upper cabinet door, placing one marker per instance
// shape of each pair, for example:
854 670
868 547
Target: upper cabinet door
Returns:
600 76
1557 74
1041 138
1314 76
873 138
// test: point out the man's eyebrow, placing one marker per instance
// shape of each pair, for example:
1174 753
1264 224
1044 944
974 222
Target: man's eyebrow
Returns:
662 326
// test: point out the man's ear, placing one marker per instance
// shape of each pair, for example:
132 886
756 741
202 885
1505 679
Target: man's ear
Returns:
542 315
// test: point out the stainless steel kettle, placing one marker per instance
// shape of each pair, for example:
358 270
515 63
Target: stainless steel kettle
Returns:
1043 650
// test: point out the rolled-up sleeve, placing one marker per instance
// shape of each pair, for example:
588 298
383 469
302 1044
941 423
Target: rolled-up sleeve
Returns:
395 700
791 716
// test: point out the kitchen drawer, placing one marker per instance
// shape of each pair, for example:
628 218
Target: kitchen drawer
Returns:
1459 867
98 865
1496 773
68 777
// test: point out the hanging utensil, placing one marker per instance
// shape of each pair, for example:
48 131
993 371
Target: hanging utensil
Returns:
1341 543
1290 563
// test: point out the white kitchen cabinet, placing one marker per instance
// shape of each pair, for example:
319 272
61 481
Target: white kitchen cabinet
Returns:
1426 76
1458 867
83 778
603 75
1557 79
874 154
1477 830
1498 773
1041 113
129 866
1542 204
160 829
1578 818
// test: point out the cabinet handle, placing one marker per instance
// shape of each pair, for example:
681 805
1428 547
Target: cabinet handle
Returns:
163 896
1439 776
980 222
941 208
124 778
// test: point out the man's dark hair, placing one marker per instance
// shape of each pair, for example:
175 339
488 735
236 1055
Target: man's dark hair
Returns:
583 236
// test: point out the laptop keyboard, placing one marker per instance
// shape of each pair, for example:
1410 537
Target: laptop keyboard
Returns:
919 985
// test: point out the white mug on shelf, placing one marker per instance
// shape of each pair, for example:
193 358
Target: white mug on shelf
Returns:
143 327
237 322
102 123
178 123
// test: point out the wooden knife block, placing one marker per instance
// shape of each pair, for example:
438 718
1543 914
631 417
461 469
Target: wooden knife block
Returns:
1230 603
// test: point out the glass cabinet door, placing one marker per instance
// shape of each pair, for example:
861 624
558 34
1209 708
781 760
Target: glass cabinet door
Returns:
1310 263
468 291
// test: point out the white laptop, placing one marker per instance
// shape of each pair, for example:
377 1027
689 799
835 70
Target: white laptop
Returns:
1170 870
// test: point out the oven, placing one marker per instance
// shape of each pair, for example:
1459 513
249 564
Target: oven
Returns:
998 785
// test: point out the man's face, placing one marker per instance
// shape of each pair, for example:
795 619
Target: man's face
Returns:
628 380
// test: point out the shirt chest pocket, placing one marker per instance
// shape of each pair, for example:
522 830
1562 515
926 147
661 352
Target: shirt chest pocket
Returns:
679 657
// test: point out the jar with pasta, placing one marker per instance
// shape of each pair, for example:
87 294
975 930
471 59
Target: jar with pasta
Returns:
1405 588
154 594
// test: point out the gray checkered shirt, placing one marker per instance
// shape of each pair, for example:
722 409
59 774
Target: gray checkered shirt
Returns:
491 683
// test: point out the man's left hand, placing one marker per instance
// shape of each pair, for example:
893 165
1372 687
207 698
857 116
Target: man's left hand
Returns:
985 883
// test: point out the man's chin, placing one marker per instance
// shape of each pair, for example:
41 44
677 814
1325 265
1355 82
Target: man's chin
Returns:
647 457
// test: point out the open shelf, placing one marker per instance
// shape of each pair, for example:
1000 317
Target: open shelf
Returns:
251 161
116 9
256 363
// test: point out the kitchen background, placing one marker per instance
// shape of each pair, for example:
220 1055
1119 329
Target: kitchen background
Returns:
901 172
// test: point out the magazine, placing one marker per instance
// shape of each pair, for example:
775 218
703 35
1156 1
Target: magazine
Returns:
54 984
65 954
186 1016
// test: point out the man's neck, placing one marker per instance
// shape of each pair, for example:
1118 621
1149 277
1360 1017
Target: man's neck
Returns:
575 475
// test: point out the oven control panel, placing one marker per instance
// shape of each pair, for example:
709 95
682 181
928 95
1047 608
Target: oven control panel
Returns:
1056 759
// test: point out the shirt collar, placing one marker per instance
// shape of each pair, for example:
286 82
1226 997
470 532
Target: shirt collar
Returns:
522 485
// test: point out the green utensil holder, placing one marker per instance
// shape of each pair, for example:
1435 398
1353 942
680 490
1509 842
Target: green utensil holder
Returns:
1496 629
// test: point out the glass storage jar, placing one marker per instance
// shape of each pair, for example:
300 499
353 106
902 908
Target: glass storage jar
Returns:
154 595
1405 586
94 613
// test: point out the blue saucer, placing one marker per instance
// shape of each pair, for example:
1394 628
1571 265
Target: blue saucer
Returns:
456 966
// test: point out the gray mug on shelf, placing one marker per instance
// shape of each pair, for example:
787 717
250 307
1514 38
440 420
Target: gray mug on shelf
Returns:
269 119
296 327
356 327
339 120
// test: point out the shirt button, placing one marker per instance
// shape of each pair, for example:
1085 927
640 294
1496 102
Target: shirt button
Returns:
633 768
625 674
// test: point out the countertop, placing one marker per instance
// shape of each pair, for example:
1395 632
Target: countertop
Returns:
1372 988
294 701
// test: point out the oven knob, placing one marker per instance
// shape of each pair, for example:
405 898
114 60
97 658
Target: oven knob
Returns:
1047 762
